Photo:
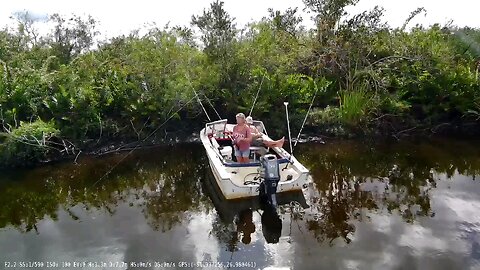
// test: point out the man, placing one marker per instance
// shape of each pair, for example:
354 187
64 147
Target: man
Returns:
257 137
242 137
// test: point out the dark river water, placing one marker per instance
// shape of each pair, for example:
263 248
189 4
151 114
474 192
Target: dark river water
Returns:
372 205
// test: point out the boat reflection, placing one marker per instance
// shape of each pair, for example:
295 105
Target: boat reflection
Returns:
245 225
235 217
271 226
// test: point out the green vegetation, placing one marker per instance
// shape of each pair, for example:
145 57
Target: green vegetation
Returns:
371 78
29 143
354 105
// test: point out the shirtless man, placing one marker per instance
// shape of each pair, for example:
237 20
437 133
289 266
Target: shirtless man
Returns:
258 139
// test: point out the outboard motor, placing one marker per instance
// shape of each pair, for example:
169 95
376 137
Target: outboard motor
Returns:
271 177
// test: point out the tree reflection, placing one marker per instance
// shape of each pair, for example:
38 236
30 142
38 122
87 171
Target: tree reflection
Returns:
352 180
180 191
231 233
226 233
164 185
356 178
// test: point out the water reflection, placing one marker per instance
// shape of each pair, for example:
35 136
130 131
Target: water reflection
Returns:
245 225
163 185
271 226
354 179
373 205
234 221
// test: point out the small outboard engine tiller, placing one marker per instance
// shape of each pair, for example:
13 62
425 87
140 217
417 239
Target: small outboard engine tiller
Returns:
271 177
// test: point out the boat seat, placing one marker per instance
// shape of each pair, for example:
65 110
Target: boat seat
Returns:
257 151
224 151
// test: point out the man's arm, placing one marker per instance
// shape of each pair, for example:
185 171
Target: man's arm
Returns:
249 136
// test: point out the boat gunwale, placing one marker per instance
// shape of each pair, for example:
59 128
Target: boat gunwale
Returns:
220 166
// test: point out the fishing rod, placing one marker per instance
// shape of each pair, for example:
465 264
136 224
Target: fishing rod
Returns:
303 124
289 133
211 105
306 115
196 96
143 140
256 96
288 126
309 109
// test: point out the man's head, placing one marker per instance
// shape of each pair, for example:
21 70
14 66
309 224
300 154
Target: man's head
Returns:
247 239
249 120
240 118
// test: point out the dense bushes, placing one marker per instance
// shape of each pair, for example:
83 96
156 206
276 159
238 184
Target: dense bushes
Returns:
29 143
367 76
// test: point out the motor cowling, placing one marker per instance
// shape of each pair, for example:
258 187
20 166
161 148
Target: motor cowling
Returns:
271 177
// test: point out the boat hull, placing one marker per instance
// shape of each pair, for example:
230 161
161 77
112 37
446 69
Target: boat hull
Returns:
231 180
232 191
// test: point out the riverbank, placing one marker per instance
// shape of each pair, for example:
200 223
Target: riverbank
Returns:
62 97
321 135
465 129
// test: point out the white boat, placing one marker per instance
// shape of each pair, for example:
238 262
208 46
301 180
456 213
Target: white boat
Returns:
242 180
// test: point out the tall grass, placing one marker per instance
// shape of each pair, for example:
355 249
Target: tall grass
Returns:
356 105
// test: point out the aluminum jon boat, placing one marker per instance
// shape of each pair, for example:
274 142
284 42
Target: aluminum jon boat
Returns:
269 171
